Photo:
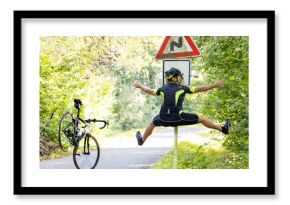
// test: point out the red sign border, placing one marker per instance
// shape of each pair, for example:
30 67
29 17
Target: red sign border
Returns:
195 51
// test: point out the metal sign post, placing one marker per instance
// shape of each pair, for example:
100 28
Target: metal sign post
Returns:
175 147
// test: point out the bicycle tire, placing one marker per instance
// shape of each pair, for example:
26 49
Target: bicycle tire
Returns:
66 123
86 158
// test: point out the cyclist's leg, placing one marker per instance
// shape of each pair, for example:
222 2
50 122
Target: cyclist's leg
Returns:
208 123
148 131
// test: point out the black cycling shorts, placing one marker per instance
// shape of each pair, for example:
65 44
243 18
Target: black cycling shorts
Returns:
174 120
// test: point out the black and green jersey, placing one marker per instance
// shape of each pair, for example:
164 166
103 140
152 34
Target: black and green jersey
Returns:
173 96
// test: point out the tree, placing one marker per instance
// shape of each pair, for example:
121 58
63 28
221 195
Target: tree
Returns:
226 58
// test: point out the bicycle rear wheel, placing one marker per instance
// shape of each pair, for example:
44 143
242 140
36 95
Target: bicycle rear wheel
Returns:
86 153
65 131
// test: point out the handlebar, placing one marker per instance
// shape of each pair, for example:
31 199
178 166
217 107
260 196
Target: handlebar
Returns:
106 122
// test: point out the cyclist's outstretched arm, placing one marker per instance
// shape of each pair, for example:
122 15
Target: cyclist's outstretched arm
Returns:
144 88
204 88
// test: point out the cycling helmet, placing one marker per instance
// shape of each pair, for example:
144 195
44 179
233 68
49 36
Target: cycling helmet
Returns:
172 72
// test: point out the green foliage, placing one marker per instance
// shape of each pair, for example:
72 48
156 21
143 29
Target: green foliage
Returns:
226 58
131 108
203 157
99 70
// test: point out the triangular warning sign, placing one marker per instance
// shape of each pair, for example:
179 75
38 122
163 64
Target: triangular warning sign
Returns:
177 46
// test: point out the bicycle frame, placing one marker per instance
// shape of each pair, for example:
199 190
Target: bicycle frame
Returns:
86 123
76 126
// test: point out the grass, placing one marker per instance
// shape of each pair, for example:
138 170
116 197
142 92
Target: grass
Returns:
191 156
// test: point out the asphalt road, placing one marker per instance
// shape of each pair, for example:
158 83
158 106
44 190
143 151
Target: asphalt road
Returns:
124 153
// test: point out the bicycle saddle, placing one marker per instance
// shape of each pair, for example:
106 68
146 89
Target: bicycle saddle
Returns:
78 103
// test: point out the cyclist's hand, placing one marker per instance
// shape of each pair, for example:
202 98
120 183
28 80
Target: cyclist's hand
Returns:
136 85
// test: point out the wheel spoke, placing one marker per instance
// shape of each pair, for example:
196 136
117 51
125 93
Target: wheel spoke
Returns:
84 162
89 163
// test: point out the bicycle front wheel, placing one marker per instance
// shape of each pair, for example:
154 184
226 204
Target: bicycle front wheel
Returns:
65 131
86 153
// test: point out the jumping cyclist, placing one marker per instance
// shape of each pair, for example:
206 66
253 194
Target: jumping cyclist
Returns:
171 113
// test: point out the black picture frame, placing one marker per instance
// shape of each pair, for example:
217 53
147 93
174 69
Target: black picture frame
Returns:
19 189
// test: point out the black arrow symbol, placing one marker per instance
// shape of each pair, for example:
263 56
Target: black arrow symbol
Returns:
178 45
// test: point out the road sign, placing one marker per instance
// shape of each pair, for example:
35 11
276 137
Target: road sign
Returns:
177 46
183 65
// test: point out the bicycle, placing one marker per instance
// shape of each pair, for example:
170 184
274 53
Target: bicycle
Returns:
86 152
